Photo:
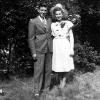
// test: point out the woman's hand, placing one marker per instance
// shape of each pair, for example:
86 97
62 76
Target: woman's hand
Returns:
72 53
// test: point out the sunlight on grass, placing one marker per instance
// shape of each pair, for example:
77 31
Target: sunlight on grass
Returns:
83 87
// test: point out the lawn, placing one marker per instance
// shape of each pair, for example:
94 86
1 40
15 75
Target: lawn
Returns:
83 87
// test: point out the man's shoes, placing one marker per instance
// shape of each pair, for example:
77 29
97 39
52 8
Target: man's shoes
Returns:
37 96
2 93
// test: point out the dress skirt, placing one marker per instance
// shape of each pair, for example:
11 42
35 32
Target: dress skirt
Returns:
61 60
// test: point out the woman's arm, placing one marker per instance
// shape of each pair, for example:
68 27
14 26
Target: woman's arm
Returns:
70 32
52 30
71 42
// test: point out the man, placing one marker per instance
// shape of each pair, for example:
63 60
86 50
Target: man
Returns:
40 43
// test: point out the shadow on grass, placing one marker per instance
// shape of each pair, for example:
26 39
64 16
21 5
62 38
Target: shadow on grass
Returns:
22 89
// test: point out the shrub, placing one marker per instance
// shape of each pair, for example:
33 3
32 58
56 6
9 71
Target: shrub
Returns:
86 58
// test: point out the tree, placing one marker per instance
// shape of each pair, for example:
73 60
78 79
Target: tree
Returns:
14 29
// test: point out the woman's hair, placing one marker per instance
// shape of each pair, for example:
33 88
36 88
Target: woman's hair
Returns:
59 8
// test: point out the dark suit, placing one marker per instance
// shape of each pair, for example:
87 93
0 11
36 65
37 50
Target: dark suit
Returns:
40 43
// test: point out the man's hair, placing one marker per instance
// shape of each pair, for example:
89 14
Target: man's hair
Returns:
42 5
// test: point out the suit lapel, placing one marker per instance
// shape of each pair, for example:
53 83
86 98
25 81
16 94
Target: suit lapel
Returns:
48 24
39 20
41 25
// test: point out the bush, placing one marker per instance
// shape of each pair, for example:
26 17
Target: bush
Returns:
86 58
14 33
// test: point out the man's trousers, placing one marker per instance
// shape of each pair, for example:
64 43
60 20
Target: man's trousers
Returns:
42 71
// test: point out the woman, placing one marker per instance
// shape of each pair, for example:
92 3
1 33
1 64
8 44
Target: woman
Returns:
63 43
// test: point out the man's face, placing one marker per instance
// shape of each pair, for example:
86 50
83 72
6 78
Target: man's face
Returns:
42 11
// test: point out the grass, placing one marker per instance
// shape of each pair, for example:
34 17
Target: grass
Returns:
84 87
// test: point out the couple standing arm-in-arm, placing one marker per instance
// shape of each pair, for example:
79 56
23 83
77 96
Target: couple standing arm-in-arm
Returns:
41 45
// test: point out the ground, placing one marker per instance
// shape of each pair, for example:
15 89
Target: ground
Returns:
84 87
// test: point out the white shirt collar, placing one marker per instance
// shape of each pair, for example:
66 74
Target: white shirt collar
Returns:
41 18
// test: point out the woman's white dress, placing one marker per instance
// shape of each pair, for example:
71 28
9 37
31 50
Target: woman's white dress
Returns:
63 44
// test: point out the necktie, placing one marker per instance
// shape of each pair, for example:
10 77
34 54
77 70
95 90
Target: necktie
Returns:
45 22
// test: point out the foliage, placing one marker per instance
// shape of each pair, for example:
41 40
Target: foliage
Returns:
15 55
14 30
86 58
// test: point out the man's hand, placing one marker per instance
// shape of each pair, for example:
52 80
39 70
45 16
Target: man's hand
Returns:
34 57
62 24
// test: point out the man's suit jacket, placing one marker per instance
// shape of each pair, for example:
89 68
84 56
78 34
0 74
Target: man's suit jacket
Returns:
39 36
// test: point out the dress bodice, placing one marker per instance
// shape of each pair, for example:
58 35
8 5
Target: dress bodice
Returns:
61 29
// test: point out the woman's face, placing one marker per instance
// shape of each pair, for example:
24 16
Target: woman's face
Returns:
58 15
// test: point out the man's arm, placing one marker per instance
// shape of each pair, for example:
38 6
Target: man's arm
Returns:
31 37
